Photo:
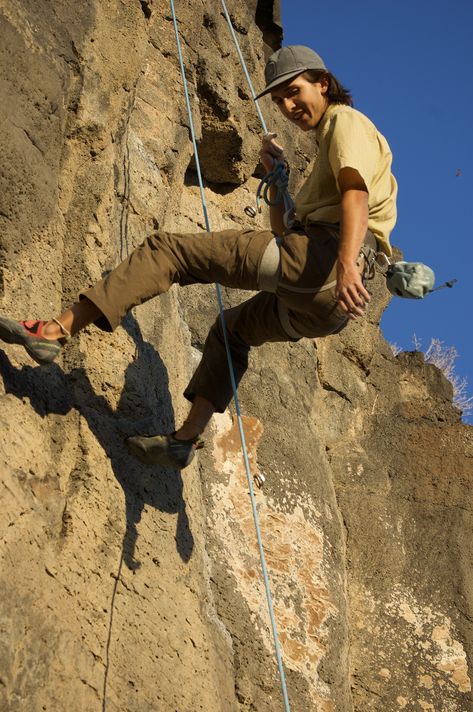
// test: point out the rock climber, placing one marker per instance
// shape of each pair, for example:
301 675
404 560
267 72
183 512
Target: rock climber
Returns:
309 277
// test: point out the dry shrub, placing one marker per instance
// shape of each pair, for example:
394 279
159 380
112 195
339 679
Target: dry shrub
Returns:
444 357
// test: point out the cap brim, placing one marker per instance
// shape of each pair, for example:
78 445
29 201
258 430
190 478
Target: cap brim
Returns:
281 80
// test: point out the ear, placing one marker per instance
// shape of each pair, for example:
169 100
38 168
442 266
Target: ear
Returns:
324 84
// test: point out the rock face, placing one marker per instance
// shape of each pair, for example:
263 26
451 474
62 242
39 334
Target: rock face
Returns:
126 588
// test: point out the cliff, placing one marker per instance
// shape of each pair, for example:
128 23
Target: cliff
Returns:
134 589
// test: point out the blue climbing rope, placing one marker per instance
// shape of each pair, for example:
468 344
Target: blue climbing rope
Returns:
278 175
232 377
279 178
243 65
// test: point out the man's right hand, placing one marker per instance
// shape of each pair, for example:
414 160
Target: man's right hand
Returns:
269 151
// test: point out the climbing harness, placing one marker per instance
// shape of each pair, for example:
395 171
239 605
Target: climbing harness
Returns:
231 371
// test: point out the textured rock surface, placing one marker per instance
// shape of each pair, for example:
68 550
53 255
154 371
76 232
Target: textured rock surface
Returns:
133 589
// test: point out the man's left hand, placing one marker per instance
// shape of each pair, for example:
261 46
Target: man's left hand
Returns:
350 292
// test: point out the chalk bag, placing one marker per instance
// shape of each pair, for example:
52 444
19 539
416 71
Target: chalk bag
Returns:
412 280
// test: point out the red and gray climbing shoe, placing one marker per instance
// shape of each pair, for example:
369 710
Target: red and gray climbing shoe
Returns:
163 450
30 335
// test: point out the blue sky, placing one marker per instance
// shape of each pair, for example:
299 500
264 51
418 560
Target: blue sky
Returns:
409 66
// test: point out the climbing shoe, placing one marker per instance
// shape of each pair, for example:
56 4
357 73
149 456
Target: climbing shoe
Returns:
163 450
29 335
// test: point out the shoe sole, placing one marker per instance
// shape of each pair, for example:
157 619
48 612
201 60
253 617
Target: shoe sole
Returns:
41 350
157 453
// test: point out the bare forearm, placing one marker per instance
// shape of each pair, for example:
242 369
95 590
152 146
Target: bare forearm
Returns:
276 213
354 224
271 153
350 291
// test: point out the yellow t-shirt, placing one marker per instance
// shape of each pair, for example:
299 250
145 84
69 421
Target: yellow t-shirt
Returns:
348 139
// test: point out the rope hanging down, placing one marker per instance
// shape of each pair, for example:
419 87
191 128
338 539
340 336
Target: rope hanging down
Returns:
232 375
279 175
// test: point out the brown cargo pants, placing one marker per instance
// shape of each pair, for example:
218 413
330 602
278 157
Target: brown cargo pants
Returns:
295 275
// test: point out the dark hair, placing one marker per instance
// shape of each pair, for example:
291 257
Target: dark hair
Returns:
336 93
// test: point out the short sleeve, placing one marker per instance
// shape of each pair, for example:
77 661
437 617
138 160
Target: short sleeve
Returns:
353 144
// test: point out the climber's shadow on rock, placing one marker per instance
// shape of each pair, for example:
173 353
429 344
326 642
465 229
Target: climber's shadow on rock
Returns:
144 405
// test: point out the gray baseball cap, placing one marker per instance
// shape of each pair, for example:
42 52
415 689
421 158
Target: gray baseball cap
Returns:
287 63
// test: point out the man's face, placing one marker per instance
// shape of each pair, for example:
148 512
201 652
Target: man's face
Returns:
301 102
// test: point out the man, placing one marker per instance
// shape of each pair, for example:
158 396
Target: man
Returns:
309 277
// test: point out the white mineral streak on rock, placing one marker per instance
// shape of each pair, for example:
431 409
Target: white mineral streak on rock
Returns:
294 550
452 656
434 635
